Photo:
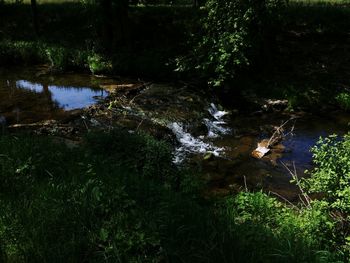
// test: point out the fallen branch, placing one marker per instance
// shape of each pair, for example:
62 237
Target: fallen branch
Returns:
307 202
278 135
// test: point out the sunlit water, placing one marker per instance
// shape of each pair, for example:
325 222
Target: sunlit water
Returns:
65 97
27 98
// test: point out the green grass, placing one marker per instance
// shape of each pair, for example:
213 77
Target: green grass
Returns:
73 31
118 198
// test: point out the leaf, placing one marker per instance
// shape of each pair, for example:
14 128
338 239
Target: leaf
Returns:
103 234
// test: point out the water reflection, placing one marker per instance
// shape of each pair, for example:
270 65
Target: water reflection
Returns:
24 84
65 97
26 97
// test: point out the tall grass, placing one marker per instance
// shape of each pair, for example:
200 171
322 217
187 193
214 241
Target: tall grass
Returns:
118 198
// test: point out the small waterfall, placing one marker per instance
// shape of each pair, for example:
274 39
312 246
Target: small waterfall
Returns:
190 144
217 114
216 127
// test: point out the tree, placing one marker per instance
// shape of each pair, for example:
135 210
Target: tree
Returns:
107 27
35 16
235 34
114 17
197 3
122 33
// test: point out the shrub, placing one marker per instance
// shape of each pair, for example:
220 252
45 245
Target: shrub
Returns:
97 64
331 179
233 36
62 58
12 52
33 52
344 100
331 176
272 226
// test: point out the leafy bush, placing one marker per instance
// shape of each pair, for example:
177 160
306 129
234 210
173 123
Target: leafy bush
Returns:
233 36
33 52
270 225
97 64
344 100
62 58
58 57
331 176
21 52
331 180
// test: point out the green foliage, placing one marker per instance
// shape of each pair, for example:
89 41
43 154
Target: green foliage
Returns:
70 32
344 100
21 52
97 64
331 179
259 219
58 57
331 175
34 52
118 198
149 157
233 35
59 204
65 58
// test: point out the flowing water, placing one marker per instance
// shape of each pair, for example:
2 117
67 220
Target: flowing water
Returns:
216 127
216 142
270 173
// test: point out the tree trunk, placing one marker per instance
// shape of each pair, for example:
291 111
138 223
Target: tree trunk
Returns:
122 33
267 35
35 16
107 28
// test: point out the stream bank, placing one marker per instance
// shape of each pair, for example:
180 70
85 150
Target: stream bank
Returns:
215 142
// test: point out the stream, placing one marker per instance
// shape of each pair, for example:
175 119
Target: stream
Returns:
28 96
214 141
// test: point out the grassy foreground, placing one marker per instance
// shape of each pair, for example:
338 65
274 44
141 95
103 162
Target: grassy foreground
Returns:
118 198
